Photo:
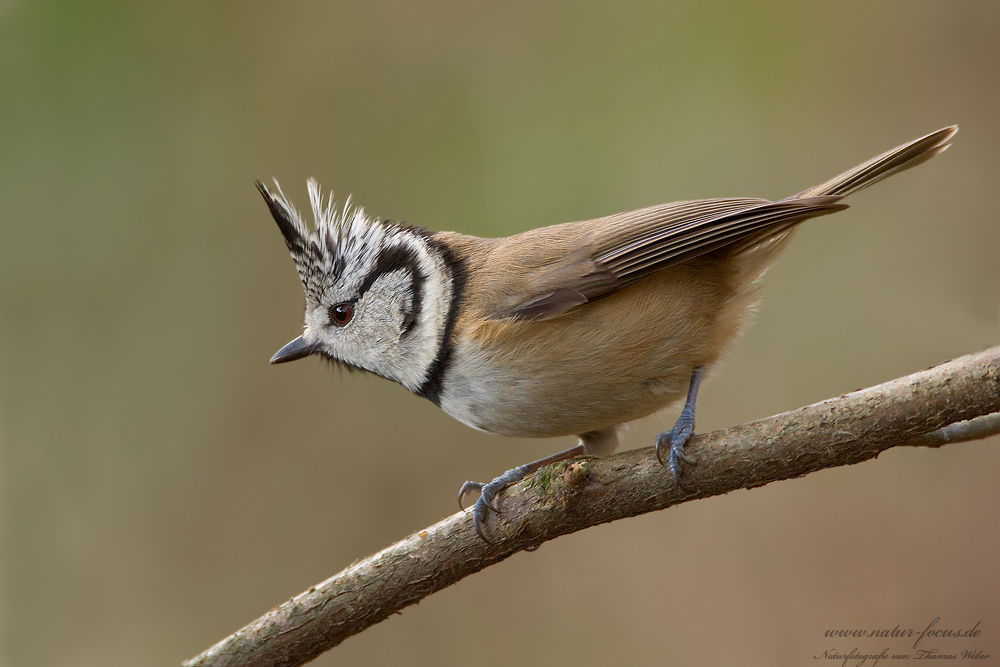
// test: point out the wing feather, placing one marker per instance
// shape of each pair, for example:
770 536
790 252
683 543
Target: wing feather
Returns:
631 246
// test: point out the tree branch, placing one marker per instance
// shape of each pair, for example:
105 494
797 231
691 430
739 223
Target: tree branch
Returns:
923 409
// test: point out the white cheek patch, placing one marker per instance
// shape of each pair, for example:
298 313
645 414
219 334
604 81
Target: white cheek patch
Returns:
419 310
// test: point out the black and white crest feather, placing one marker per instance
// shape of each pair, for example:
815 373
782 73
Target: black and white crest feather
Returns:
321 255
398 280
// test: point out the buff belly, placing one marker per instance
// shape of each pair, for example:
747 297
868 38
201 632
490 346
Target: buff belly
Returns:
567 376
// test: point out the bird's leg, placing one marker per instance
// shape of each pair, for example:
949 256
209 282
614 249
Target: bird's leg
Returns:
487 492
678 436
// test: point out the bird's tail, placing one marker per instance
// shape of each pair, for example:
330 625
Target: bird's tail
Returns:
908 155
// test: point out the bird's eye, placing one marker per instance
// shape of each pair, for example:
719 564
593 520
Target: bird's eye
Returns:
341 314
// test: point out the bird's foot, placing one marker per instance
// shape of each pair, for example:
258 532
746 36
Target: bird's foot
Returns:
674 441
487 494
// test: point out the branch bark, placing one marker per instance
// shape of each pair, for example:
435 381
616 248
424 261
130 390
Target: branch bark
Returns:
929 408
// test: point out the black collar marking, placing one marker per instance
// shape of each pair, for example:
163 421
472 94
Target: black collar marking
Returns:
434 384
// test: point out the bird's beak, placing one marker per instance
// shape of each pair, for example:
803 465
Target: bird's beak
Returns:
297 349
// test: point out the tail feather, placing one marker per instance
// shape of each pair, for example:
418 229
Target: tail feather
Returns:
903 157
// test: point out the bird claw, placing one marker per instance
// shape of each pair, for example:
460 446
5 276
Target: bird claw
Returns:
487 492
675 439
467 488
678 436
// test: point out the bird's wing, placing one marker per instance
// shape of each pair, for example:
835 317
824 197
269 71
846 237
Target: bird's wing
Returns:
603 256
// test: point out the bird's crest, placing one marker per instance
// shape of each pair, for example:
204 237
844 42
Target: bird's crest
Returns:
341 237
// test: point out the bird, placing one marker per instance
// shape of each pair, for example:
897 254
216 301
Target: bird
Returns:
572 329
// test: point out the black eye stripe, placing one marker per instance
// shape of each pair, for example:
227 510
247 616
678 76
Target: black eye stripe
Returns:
396 258
391 259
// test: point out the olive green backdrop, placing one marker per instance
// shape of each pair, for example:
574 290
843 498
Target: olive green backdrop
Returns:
162 485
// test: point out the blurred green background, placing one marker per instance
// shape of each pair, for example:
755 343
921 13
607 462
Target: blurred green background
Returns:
162 485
